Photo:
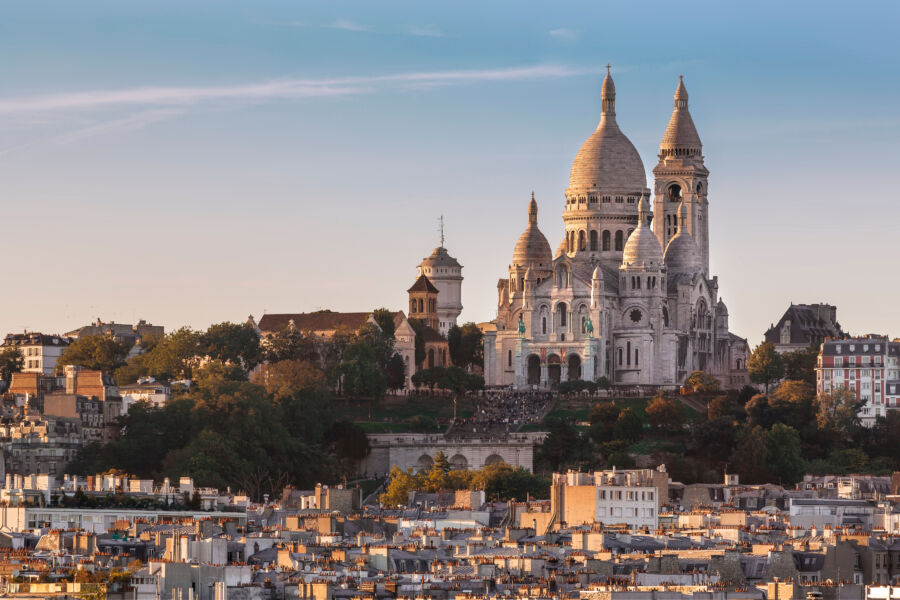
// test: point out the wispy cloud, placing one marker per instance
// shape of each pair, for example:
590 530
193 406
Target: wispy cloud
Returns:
564 35
426 31
278 89
123 125
348 25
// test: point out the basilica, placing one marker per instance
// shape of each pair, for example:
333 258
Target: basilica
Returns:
627 295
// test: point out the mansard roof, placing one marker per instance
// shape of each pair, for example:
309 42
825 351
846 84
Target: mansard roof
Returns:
807 325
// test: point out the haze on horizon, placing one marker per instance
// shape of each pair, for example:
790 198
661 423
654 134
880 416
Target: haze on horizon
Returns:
190 164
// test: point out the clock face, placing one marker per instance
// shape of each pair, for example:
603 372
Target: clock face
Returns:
635 315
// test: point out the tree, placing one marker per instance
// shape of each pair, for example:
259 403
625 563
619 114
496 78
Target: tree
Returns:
665 414
396 373
385 320
751 455
287 377
765 364
603 420
289 344
785 455
714 439
95 352
700 381
563 447
466 345
11 361
418 326
838 413
604 383
401 483
628 426
725 407
793 403
362 375
232 342
800 365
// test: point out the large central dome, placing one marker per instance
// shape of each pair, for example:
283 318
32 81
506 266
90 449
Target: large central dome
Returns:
608 161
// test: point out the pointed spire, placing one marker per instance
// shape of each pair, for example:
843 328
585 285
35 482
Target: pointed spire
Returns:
608 95
532 210
643 211
681 138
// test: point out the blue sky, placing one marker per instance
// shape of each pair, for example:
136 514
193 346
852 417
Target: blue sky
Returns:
194 162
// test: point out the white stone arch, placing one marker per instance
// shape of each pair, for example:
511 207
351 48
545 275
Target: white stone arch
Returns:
493 459
458 462
424 463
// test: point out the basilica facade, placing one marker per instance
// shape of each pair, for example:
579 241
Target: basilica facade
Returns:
627 295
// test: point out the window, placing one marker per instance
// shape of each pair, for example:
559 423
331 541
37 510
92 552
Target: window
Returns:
606 240
509 358
562 315
674 193
593 240
620 357
619 241
581 240
544 325
636 357
628 353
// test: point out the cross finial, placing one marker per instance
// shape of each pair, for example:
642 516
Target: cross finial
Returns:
532 194
442 230
681 77
607 68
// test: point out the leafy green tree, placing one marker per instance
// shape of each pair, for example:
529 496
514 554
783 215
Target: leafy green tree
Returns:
702 382
800 365
725 407
793 403
418 326
848 460
349 443
401 483
11 361
232 342
362 375
289 344
714 439
95 352
175 355
665 414
838 413
396 373
751 455
466 345
385 320
563 447
628 426
604 383
765 365
785 455
441 463
287 377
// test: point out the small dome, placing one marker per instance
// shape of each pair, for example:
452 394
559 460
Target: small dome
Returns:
642 247
440 258
608 161
532 248
682 254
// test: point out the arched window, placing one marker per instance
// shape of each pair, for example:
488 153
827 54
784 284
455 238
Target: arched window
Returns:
562 310
581 240
699 188
620 357
544 325
606 240
583 323
562 276
593 240
619 241
674 193
637 357
431 358
412 305
509 358
421 305
628 353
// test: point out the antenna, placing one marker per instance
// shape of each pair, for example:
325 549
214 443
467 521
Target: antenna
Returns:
442 230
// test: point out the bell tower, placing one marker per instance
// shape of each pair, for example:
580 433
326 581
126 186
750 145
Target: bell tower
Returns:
423 302
680 175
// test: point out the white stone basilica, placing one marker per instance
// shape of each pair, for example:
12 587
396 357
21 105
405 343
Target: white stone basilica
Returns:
612 302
